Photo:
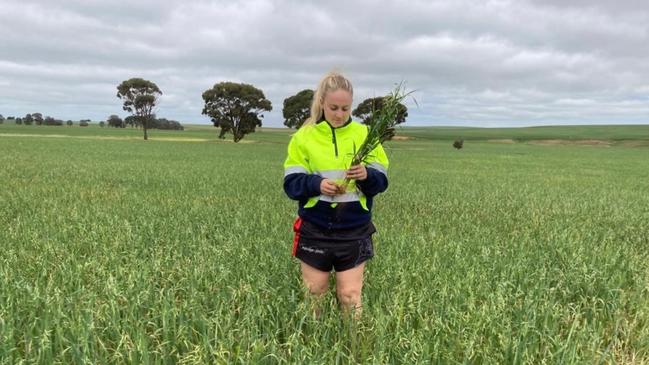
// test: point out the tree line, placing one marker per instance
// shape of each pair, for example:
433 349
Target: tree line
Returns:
235 108
154 123
112 121
35 119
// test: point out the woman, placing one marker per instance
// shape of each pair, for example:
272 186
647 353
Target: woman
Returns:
334 228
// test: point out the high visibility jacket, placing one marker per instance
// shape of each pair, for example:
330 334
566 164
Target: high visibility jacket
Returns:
319 151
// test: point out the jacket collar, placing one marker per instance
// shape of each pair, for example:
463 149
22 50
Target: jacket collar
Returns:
332 127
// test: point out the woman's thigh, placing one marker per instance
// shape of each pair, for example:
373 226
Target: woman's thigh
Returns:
350 281
317 281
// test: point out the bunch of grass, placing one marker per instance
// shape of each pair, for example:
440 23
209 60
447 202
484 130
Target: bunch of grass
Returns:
383 128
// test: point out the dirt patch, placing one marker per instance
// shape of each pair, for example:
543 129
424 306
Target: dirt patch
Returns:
593 142
504 140
243 141
392 148
580 142
181 139
401 138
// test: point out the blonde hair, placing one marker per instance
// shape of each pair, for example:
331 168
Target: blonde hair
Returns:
332 81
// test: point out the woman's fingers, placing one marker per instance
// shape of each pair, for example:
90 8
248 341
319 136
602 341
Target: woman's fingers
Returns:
357 172
328 187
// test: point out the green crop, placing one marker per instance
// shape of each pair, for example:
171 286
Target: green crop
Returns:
177 250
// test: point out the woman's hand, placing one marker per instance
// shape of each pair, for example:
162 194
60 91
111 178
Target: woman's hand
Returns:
357 172
328 187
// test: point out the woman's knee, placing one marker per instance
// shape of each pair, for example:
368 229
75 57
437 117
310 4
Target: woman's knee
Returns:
318 288
349 295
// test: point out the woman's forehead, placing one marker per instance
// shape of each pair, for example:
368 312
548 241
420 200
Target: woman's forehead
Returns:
339 97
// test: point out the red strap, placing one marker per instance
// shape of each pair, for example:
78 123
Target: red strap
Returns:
296 239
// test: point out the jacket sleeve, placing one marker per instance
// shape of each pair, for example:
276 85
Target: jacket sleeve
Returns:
377 173
299 182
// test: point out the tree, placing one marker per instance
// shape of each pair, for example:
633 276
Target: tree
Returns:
297 108
102 124
51 121
2 119
69 123
19 121
163 123
458 143
369 107
38 118
236 108
115 121
140 97
84 122
132 121
28 120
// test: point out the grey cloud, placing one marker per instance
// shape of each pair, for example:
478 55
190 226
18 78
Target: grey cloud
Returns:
472 62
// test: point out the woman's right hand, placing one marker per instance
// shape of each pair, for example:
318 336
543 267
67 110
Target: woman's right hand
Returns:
328 187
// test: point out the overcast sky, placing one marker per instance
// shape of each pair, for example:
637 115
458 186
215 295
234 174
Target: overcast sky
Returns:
474 63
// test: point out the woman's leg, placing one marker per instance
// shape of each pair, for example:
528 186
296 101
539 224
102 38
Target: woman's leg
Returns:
315 280
349 284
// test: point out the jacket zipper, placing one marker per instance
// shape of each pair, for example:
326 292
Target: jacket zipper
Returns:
333 139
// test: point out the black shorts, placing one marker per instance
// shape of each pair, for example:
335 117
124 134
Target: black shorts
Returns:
340 249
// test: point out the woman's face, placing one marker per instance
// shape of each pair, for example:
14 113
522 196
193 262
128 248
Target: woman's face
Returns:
337 106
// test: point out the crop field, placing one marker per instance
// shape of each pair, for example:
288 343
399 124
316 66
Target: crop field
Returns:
516 249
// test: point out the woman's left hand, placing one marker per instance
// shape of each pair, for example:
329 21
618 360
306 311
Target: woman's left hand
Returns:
357 172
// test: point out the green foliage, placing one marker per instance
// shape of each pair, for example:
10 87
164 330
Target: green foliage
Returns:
381 127
132 121
370 108
297 108
383 120
69 123
167 124
154 123
28 119
140 98
235 108
115 121
38 118
517 254
19 121
52 121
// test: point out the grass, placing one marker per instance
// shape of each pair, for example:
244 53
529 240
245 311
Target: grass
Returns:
589 132
171 251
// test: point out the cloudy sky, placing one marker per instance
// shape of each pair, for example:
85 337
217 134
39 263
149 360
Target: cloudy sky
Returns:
474 63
